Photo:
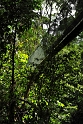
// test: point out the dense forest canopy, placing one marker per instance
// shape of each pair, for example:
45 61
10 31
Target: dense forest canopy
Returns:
52 93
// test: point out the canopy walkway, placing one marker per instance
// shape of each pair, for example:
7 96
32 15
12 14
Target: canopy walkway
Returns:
41 55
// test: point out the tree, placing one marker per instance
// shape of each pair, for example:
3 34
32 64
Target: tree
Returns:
18 13
49 94
15 18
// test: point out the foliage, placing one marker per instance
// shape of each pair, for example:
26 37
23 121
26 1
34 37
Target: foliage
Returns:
51 94
15 14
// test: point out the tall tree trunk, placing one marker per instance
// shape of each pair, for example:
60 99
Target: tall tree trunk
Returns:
12 85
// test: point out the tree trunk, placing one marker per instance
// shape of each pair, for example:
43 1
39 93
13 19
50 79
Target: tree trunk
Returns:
12 85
